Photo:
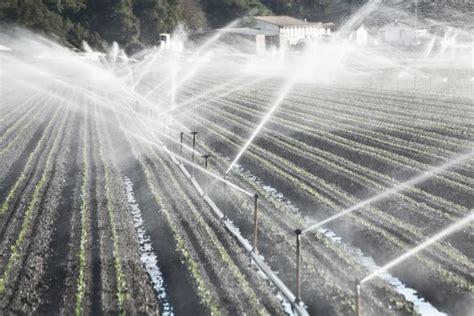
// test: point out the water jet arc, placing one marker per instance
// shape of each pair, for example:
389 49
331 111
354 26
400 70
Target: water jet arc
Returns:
396 189
444 233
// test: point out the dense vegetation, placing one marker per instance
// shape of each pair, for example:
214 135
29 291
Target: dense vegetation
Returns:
137 23
133 23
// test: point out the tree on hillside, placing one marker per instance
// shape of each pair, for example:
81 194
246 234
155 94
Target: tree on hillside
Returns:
114 21
194 18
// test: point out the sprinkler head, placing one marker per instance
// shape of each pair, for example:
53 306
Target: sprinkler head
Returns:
256 196
193 133
298 231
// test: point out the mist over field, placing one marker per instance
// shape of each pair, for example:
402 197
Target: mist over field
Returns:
207 157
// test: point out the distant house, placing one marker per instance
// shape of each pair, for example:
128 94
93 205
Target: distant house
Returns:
286 31
247 40
360 35
398 33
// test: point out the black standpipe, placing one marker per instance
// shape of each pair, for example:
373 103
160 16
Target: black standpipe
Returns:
206 157
194 144
255 224
225 192
298 264
181 144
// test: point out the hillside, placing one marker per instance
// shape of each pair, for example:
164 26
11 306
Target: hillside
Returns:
138 23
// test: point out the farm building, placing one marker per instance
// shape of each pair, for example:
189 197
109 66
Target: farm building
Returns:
398 33
247 40
286 31
360 36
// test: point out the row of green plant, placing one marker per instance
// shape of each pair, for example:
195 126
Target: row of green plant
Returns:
452 178
28 168
34 200
374 131
452 144
358 175
26 125
275 222
335 162
181 245
374 220
84 211
358 172
119 275
210 236
16 118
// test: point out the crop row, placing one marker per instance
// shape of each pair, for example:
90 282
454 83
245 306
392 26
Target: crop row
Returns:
347 110
192 266
84 211
328 194
320 259
414 166
34 200
304 152
119 276
325 111
338 162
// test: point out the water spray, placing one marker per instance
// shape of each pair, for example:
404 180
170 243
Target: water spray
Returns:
396 189
255 223
206 157
444 233
298 233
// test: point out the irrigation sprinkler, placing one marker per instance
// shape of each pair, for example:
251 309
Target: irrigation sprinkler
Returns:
194 144
225 190
298 264
170 140
255 224
181 144
358 298
206 157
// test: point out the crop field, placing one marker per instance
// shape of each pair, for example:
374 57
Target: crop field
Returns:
103 211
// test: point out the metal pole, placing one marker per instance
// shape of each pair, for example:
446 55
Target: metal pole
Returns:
255 224
298 264
225 193
358 298
171 143
205 174
194 143
181 144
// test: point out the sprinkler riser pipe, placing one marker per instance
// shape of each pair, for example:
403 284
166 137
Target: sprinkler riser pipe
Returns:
181 144
194 144
358 299
298 265
255 224
206 157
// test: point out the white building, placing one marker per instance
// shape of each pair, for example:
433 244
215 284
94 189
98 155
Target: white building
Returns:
360 36
398 33
285 30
